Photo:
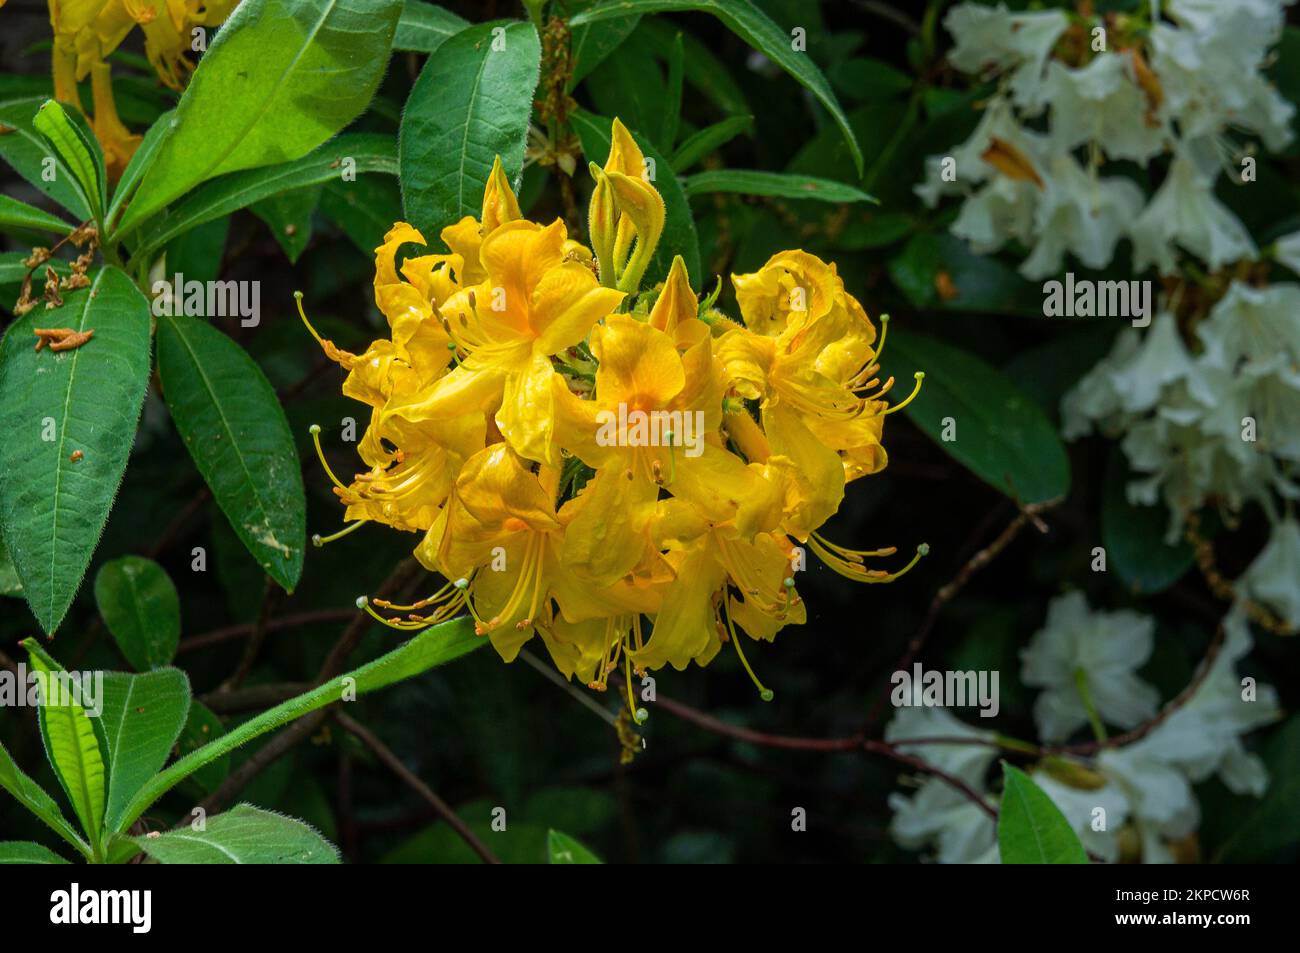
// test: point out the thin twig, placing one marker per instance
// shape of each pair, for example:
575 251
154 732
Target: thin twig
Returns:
852 743
305 726
254 697
1028 514
253 647
178 523
394 764
887 12
551 675
232 632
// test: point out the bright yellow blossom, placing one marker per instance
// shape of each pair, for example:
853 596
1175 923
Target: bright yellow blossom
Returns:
597 462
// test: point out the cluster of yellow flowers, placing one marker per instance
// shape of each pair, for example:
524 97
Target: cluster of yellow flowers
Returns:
631 476
87 31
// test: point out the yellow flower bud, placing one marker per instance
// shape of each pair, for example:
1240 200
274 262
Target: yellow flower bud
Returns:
499 202
602 226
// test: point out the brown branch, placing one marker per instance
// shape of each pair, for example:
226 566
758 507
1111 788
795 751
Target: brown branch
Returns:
232 632
853 743
254 697
178 522
394 764
946 593
253 647
406 573
236 781
303 728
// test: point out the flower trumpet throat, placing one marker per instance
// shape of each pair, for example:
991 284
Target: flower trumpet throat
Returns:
625 473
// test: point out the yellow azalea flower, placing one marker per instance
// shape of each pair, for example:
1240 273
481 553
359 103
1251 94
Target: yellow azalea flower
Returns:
501 535
407 484
805 353
594 463
462 269
745 552
534 303
653 409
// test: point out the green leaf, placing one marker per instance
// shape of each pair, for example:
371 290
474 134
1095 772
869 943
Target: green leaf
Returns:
672 106
1032 829
699 144
563 849
998 433
27 151
79 151
590 45
233 426
423 27
71 746
198 254
242 835
10 584
631 86
369 152
288 215
142 718
26 852
470 104
679 237
19 215
365 209
141 162
978 282
281 77
704 70
755 28
431 647
866 78
142 610
1272 823
874 230
780 184
1134 536
33 797
55 406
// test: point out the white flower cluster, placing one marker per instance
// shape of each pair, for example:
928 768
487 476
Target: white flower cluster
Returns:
1207 414
1218 425
1173 88
1144 786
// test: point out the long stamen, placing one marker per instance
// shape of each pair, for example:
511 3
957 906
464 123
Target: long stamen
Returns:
920 376
443 592
318 540
884 336
364 604
639 715
764 692
854 554
314 430
881 576
297 296
849 563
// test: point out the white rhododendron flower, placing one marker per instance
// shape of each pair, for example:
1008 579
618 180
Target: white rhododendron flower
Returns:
1274 577
1097 652
938 815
